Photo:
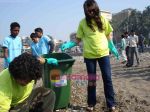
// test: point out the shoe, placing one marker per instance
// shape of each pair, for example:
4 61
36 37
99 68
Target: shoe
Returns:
123 62
113 109
138 64
90 108
128 65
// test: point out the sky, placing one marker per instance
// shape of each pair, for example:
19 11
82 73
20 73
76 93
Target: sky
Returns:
58 18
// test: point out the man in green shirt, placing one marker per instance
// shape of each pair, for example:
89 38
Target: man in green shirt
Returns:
123 47
16 87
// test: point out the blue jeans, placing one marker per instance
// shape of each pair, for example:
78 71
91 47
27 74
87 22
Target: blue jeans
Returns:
104 64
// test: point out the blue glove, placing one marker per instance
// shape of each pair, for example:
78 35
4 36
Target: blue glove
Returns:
68 45
7 60
113 49
52 61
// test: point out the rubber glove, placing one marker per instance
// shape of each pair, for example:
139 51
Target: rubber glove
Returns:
52 61
68 45
7 60
113 49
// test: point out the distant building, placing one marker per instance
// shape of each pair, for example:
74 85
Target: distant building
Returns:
57 45
26 41
73 36
1 51
76 49
106 14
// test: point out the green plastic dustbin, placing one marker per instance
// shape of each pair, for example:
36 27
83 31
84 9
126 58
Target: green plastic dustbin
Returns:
57 78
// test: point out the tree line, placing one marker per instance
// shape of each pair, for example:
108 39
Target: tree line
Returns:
137 20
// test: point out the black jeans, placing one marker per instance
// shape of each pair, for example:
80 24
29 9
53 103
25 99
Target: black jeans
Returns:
104 64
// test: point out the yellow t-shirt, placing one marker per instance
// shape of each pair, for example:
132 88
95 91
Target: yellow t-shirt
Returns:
11 93
95 44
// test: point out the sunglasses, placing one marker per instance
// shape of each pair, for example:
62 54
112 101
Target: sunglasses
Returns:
16 30
91 10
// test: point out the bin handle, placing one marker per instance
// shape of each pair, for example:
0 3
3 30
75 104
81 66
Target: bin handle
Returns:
65 60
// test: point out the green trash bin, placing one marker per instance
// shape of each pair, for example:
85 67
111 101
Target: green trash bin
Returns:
57 78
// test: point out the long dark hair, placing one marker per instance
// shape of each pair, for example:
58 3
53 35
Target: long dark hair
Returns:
96 18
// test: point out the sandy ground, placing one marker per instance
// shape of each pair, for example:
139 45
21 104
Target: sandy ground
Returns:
132 86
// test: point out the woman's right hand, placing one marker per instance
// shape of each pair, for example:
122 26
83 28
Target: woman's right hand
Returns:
67 45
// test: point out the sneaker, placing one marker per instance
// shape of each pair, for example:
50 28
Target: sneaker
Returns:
123 62
113 109
90 108
128 65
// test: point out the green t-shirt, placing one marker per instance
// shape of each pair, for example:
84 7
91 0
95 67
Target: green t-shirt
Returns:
11 93
95 44
123 44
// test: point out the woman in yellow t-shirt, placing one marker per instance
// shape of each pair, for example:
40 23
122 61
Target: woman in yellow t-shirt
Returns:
95 33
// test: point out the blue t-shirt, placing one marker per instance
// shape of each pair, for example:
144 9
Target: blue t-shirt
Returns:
35 49
44 44
14 46
42 47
